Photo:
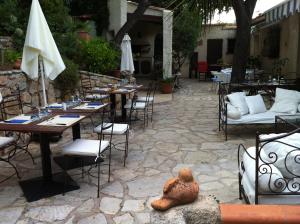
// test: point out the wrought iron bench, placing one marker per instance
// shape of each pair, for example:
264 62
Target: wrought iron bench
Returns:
269 173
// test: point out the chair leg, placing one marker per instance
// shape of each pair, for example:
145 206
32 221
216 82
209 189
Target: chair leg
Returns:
144 118
240 189
26 151
152 111
109 162
15 168
126 148
98 189
65 173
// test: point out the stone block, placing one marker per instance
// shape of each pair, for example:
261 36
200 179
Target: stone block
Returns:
203 211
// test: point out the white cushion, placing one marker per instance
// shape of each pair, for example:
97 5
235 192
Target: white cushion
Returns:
267 117
286 101
299 108
119 129
286 155
138 105
5 141
85 147
268 199
144 99
233 112
268 175
96 96
238 100
255 104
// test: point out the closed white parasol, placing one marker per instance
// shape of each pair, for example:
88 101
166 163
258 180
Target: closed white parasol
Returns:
126 60
40 53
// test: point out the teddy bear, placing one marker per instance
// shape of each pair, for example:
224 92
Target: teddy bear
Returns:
178 191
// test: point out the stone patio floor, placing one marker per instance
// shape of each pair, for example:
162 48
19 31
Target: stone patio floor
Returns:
184 133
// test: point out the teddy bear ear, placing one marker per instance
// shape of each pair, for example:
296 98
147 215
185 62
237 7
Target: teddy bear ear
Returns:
186 175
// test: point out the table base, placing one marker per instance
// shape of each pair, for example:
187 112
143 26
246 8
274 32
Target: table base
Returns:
37 188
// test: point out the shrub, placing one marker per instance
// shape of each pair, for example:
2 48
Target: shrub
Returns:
99 56
11 56
67 81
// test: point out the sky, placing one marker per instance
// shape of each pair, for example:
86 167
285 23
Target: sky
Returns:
261 6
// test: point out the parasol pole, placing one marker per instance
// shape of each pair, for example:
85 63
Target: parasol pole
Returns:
42 73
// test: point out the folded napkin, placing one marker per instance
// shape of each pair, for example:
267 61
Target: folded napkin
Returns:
94 104
55 107
15 121
70 116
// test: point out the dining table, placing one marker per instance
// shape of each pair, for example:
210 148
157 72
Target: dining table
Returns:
56 122
123 90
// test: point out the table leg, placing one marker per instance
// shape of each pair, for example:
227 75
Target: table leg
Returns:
124 111
45 154
49 184
76 131
112 103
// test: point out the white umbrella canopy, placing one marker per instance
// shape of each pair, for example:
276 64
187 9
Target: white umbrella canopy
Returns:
40 48
126 59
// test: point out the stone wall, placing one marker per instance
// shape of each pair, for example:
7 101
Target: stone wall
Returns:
98 79
31 91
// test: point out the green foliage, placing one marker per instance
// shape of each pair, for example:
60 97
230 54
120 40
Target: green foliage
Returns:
278 65
97 9
186 30
15 21
11 56
9 17
168 80
99 56
67 82
254 62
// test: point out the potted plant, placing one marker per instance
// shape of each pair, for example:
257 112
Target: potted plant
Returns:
13 57
167 85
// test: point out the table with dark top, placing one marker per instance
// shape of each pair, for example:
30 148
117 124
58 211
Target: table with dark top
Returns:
48 184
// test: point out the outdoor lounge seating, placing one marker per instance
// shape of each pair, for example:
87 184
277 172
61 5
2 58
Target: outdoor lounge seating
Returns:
269 172
238 109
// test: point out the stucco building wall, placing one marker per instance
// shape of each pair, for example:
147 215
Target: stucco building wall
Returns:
289 45
216 31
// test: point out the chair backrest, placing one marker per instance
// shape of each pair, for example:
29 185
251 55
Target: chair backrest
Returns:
154 89
86 84
107 122
133 103
11 105
202 66
149 91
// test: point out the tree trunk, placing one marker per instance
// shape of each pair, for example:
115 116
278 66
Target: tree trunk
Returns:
243 12
132 20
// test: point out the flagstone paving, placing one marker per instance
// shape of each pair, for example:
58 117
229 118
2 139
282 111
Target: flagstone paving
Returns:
184 133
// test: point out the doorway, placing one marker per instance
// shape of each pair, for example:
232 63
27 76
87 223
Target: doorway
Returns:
214 50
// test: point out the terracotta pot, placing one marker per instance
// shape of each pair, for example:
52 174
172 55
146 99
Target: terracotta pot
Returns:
17 64
166 88
84 35
117 74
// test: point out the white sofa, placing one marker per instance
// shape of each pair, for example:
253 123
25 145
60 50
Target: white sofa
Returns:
239 109
270 172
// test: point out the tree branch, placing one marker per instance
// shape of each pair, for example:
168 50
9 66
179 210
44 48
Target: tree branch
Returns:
132 20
